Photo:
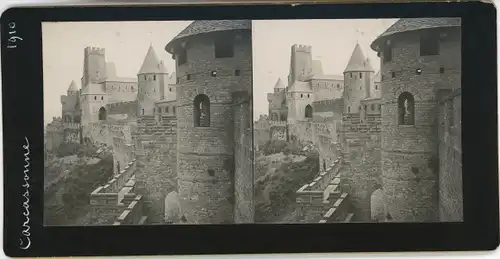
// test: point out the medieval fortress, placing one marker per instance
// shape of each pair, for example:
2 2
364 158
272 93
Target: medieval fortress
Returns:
389 142
181 142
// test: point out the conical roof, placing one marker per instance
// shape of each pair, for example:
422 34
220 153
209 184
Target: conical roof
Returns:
208 26
358 61
72 87
414 24
151 64
163 68
279 84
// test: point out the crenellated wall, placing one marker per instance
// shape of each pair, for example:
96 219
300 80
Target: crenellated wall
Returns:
109 201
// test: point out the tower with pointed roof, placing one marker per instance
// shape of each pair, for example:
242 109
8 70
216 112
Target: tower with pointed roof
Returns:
277 102
421 147
358 79
71 104
151 81
214 71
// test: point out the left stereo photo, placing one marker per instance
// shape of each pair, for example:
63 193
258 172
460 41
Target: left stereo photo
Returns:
148 122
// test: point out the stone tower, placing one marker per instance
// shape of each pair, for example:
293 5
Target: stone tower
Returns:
93 95
71 104
94 66
300 63
150 80
277 102
214 70
358 77
299 93
420 59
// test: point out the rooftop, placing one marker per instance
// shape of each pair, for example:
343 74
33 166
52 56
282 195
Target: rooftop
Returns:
358 61
414 24
206 26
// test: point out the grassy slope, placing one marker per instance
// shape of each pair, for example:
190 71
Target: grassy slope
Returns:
277 183
75 187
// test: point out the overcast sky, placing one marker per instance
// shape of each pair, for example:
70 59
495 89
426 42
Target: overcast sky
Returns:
126 45
332 42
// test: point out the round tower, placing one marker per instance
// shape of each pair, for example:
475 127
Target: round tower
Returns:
150 82
357 81
420 58
213 61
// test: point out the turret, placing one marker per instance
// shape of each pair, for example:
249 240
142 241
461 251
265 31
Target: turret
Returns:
150 79
72 89
279 86
358 77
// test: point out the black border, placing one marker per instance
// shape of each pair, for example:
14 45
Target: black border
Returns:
23 113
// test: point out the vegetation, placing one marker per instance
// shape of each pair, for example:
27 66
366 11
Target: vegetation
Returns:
276 185
80 150
67 199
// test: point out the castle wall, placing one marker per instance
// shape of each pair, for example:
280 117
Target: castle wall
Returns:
325 89
205 154
410 179
361 172
121 91
54 140
450 162
156 145
166 108
97 133
71 135
301 131
278 130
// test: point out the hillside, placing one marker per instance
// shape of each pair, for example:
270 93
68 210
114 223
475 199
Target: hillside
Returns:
71 175
281 169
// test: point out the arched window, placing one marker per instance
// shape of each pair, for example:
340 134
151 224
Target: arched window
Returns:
274 117
309 111
201 111
348 109
102 114
154 77
283 117
406 109
283 103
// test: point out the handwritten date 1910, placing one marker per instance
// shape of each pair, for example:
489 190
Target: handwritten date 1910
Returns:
13 37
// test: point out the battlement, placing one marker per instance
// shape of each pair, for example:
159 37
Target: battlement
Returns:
327 182
278 123
132 215
360 128
338 212
302 48
71 125
95 51
123 179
